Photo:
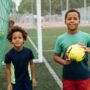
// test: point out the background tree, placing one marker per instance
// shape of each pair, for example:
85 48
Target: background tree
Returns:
13 7
29 6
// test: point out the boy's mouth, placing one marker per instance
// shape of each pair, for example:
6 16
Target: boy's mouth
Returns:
72 24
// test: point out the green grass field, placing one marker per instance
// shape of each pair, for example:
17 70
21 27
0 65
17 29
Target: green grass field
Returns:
44 78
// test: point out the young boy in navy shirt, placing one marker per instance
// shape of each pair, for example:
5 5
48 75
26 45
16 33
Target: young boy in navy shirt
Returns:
20 57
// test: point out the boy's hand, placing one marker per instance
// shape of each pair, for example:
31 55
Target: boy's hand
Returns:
34 82
87 50
67 61
83 46
10 86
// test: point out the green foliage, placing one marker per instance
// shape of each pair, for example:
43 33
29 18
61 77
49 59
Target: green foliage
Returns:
75 4
27 6
56 6
46 6
13 6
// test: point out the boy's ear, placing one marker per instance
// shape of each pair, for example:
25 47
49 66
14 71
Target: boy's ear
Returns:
24 41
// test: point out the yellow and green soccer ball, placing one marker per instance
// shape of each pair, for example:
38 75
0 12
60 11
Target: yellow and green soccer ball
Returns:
76 53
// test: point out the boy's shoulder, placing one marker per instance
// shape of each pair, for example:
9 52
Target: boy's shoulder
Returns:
28 49
10 52
85 34
65 35
62 36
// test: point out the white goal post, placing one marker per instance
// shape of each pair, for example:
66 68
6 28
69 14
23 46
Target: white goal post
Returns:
39 30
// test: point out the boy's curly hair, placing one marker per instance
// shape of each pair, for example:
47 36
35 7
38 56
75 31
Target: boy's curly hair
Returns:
16 29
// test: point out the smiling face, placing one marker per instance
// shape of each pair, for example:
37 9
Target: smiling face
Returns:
17 40
72 21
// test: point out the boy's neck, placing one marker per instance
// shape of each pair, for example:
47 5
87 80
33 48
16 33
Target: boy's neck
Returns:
72 31
18 48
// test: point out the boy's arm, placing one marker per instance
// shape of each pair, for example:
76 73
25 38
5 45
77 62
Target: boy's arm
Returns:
87 50
32 66
8 73
59 60
8 76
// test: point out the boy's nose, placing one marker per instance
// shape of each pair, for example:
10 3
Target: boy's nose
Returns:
72 20
17 39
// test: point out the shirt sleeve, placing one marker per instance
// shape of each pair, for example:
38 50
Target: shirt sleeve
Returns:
31 55
88 44
57 48
7 59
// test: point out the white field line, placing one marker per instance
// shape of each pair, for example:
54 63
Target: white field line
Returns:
48 50
31 41
58 81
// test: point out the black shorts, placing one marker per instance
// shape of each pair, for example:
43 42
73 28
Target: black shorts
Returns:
23 86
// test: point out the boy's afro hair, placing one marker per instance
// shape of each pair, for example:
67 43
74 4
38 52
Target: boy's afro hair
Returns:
16 29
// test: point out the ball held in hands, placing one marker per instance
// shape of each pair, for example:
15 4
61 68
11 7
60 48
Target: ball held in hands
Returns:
76 53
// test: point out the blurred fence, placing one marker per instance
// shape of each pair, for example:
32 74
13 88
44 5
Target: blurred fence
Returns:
50 21
4 16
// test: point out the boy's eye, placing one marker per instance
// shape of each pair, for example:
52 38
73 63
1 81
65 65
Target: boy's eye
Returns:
69 18
75 18
17 37
72 18
14 37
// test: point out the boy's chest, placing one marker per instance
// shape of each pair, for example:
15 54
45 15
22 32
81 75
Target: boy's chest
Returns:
19 60
67 42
